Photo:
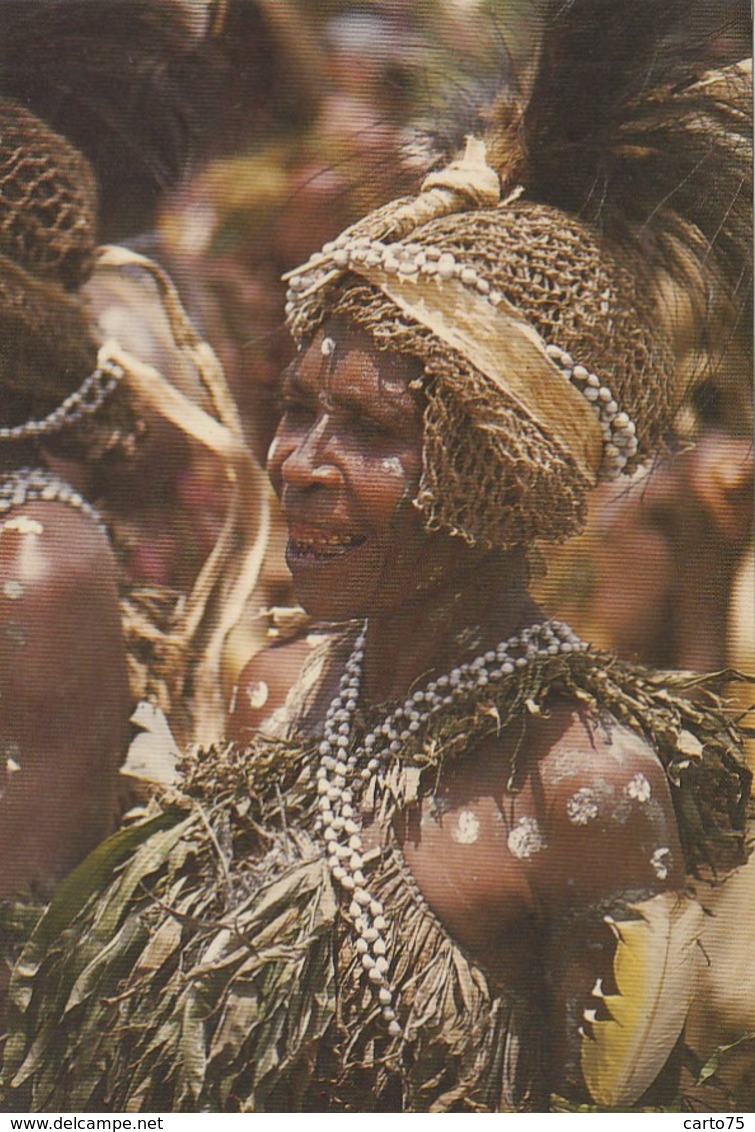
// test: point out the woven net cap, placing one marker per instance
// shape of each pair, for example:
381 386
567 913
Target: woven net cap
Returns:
491 472
48 201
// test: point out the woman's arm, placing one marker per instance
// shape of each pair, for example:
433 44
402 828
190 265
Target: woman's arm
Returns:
64 699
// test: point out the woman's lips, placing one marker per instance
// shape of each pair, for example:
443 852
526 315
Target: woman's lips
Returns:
320 543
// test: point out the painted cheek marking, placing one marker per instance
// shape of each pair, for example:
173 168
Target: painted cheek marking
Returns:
525 839
582 807
660 862
13 590
638 788
467 829
327 346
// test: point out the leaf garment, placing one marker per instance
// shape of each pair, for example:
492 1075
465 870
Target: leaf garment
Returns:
201 960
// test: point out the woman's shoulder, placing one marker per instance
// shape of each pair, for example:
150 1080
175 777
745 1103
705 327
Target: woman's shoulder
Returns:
52 555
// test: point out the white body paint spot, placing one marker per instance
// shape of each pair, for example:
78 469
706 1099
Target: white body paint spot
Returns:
258 694
393 465
582 807
661 863
13 590
638 788
23 525
12 767
525 839
327 346
467 828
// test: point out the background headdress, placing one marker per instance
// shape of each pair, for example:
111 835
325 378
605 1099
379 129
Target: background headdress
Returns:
567 277
95 121
101 106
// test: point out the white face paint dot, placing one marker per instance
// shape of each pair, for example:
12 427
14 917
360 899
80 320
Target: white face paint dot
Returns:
13 590
525 838
661 863
467 828
638 788
582 807
258 694
327 346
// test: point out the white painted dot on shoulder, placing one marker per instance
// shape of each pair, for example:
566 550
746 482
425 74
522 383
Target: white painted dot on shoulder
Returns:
258 694
638 788
526 838
582 807
467 828
660 862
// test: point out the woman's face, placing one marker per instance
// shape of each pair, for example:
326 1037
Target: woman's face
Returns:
346 463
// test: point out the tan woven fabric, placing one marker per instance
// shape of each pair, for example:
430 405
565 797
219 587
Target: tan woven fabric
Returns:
48 202
490 472
608 208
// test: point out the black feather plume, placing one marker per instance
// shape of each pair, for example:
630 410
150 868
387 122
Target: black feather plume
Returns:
633 116
637 123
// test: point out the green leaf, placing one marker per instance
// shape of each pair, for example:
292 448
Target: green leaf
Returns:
146 860
110 960
713 1064
192 1047
89 877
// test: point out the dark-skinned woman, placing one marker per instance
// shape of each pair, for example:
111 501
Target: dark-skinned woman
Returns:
101 379
452 874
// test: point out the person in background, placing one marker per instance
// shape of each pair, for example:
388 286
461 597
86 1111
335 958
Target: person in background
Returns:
86 429
454 874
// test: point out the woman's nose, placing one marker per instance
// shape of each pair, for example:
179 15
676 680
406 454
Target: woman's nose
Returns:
310 461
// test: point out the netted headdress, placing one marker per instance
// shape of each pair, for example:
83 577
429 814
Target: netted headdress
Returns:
108 85
92 112
561 280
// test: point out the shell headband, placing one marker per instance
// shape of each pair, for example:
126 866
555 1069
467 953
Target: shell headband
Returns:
460 308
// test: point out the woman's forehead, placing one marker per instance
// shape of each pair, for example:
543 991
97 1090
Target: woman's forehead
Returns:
344 358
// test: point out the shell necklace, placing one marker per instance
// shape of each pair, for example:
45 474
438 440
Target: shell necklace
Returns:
30 485
344 767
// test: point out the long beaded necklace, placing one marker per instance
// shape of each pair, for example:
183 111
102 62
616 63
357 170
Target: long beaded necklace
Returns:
344 768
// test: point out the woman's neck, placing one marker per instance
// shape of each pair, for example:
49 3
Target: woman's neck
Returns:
454 622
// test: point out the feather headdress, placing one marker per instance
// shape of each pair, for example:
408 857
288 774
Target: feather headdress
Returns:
594 241
633 124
